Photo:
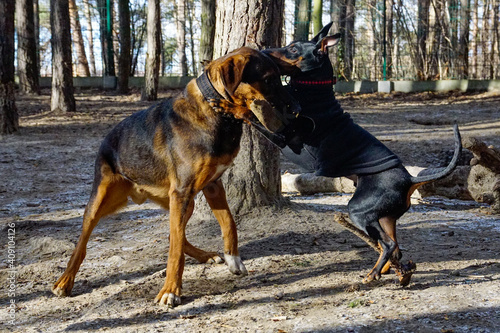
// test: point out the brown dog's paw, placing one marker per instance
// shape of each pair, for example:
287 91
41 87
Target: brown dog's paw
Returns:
169 298
63 286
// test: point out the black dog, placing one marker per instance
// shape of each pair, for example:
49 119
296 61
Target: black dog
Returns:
335 146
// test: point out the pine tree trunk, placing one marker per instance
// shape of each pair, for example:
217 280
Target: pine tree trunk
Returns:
150 90
180 23
254 180
82 65
27 65
62 99
90 36
9 119
124 58
207 31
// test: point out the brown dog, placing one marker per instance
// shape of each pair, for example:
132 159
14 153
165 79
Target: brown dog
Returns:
177 148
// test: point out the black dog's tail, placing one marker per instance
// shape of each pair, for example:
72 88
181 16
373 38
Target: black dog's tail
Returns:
424 179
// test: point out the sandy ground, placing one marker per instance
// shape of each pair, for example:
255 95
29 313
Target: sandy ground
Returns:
304 270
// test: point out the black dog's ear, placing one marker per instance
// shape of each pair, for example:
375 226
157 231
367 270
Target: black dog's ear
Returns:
327 42
322 34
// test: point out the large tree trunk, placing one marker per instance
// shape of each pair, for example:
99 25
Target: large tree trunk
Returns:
27 65
62 98
150 90
9 119
90 36
124 58
180 23
82 65
302 19
254 180
207 31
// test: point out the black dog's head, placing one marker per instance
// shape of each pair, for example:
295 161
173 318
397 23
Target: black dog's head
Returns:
304 56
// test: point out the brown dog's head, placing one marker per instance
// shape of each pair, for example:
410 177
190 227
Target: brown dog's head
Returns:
304 56
250 81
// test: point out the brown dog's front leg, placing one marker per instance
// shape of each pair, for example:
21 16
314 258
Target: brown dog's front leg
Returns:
216 198
181 209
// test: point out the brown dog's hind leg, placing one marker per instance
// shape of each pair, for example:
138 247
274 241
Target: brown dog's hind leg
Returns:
216 198
200 255
108 195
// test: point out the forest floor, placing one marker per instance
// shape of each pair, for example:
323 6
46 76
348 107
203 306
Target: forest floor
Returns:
305 271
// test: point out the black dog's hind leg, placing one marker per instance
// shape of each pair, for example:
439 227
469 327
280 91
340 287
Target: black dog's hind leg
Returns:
377 231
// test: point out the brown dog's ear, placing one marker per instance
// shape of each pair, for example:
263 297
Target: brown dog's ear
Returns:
231 72
329 41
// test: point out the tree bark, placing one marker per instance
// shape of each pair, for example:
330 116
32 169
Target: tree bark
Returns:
254 180
27 65
150 90
90 36
180 23
124 57
207 31
82 65
62 99
9 118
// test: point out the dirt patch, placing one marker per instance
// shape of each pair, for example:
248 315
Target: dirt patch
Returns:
304 270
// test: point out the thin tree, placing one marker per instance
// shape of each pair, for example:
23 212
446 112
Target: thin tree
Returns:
82 65
317 15
191 13
302 19
422 35
389 35
62 98
180 23
124 57
105 32
207 31
150 89
463 44
9 118
27 64
255 179
90 35
349 40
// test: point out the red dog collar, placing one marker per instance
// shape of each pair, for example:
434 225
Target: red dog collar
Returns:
315 82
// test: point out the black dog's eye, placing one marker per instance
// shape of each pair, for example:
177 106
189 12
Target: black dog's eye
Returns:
293 49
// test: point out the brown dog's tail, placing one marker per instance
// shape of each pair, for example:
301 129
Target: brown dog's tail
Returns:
424 179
